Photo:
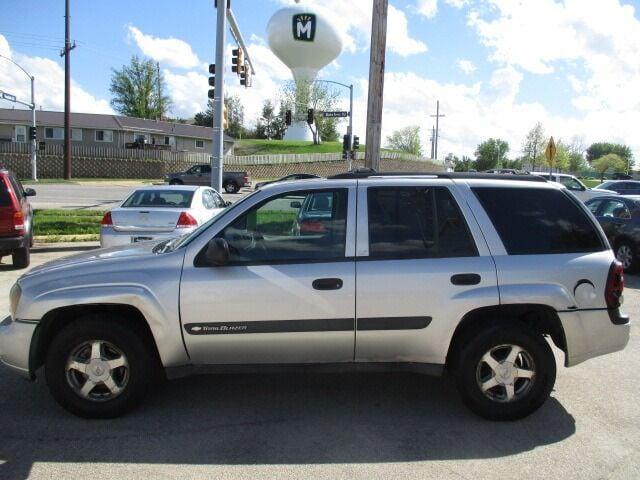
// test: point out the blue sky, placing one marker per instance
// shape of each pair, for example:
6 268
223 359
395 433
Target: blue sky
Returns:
497 66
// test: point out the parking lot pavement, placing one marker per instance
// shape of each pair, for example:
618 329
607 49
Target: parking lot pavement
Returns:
329 426
93 196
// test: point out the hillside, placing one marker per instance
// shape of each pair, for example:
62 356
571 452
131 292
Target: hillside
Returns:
268 147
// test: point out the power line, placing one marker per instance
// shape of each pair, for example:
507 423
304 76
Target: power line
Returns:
437 117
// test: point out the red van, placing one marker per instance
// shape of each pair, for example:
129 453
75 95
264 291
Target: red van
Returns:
16 219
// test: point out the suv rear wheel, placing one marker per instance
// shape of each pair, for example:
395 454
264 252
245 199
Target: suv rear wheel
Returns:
506 372
231 187
99 367
22 256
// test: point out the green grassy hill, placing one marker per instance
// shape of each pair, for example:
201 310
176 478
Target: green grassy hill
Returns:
268 147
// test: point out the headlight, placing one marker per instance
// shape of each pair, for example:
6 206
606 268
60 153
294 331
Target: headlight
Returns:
14 299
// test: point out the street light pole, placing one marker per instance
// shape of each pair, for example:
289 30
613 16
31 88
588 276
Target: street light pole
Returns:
32 106
350 127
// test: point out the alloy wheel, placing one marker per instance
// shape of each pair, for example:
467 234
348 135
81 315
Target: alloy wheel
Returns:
506 373
625 255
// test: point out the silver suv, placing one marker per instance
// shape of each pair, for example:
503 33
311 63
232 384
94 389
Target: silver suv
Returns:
476 274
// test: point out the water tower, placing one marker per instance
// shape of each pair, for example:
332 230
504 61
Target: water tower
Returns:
305 41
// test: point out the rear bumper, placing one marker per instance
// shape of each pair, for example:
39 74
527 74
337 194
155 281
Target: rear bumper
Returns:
13 243
112 238
15 344
591 333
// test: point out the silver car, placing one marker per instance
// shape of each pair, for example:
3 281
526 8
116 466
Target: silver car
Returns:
158 213
475 274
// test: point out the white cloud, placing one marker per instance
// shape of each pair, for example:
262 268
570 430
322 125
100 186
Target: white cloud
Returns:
49 84
353 20
466 66
428 8
170 51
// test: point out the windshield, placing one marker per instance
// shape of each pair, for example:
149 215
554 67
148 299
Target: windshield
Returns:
605 185
175 243
159 199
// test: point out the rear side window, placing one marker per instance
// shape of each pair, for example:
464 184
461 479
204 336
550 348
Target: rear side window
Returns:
538 221
5 197
416 222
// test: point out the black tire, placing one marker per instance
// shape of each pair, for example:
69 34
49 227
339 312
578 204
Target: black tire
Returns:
21 257
532 397
630 264
176 182
141 374
231 187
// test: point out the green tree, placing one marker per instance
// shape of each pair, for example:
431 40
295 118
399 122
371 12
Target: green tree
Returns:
515 164
610 161
138 90
534 145
406 139
235 116
600 149
491 154
270 125
463 164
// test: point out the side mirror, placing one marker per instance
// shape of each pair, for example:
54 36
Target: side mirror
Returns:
217 253
295 204
29 192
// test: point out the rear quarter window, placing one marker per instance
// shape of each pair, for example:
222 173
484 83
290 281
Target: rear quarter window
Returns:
534 221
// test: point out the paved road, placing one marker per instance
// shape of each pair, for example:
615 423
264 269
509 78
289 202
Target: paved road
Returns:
330 426
92 196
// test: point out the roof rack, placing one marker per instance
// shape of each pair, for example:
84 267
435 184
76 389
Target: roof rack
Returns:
368 173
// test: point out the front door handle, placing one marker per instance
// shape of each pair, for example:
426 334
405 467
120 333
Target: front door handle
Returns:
327 284
466 279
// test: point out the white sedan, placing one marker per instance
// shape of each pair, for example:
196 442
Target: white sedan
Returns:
159 212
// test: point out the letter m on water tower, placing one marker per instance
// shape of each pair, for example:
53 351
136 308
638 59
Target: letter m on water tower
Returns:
304 27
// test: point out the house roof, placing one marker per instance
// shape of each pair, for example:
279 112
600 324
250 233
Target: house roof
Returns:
108 122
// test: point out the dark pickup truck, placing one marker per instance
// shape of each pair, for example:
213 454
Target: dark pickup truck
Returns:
232 182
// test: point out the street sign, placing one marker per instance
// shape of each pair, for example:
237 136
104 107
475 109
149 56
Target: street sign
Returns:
8 96
335 114
550 152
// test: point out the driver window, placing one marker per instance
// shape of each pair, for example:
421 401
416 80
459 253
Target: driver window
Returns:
194 170
571 183
616 209
293 227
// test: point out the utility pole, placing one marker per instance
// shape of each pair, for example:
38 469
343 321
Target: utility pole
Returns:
433 140
67 91
376 83
437 115
159 107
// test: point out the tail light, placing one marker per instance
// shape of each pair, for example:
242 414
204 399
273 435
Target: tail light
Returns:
246 178
615 286
18 221
312 226
107 221
186 221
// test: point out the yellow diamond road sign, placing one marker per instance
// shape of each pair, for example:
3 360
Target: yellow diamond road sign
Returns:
550 152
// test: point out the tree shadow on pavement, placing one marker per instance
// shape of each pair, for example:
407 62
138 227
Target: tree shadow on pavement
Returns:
270 419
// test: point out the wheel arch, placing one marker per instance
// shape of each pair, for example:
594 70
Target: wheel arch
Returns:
57 319
543 319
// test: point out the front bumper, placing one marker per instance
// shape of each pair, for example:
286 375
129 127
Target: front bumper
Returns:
8 244
591 333
15 344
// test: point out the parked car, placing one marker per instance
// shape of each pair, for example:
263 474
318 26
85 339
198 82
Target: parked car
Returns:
574 185
447 277
232 182
294 176
620 219
622 187
158 213
16 220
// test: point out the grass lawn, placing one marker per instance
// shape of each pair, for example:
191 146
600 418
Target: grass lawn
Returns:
591 183
268 147
54 222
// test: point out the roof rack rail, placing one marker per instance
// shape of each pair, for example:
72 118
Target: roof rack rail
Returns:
367 173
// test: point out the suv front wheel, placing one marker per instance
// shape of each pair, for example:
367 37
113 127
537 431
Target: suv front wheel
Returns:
506 372
99 367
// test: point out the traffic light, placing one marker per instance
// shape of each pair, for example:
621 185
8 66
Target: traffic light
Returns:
32 133
245 77
310 114
237 61
346 143
212 81
287 117
356 142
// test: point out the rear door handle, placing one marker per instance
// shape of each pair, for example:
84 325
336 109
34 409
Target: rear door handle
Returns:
327 284
466 279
